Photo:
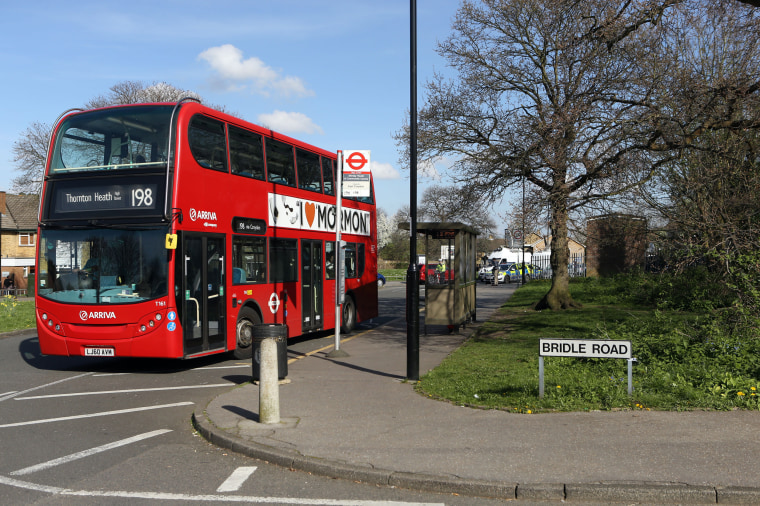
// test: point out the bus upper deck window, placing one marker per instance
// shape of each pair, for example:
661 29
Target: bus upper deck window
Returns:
309 173
281 168
207 143
246 153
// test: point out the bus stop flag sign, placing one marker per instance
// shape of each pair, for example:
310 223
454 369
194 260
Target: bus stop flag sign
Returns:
356 173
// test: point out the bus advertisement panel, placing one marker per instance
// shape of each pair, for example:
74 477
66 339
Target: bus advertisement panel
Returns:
170 230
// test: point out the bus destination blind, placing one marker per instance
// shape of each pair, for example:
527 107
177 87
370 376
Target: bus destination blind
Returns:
109 197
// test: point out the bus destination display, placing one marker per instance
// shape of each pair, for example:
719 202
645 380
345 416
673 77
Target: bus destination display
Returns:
105 197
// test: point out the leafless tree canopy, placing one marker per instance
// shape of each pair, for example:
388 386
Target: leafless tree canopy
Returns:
450 204
29 154
577 98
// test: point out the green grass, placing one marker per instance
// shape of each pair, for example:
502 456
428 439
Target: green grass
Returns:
685 359
16 314
394 274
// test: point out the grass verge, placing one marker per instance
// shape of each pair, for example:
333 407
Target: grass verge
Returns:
15 314
685 360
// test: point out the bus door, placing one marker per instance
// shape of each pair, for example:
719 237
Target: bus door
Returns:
311 285
202 293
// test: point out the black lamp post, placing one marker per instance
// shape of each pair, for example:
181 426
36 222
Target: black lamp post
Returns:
412 275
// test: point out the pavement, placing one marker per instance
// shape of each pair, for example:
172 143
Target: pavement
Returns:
357 418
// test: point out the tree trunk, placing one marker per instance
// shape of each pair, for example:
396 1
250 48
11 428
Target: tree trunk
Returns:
558 296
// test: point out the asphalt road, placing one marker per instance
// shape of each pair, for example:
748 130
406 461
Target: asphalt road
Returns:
117 431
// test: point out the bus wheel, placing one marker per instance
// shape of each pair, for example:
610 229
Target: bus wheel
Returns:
247 318
349 315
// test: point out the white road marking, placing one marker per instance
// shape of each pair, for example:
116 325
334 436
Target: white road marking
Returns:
237 366
236 479
8 393
131 391
87 453
16 394
163 496
93 415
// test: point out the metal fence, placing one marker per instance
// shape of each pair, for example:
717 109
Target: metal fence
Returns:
576 266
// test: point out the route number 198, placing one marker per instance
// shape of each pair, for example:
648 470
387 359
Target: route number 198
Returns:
142 197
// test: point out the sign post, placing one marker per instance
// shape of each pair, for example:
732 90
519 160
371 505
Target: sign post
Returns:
584 348
354 165
339 270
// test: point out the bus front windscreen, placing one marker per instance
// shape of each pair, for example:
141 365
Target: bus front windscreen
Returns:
102 266
112 139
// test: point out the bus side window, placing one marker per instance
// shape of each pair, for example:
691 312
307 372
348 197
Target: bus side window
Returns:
249 261
246 153
283 260
351 266
309 175
281 167
207 142
359 259
329 260
328 174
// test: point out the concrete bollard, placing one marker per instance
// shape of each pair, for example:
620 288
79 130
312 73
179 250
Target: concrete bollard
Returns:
267 370
269 394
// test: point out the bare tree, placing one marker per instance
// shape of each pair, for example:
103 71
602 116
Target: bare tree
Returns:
135 92
547 92
451 204
29 153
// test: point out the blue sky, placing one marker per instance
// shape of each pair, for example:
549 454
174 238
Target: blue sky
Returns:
334 73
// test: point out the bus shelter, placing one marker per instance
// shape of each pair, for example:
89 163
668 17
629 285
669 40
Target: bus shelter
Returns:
449 273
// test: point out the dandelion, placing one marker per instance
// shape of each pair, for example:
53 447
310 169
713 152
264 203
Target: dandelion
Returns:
752 388
559 386
529 411
740 393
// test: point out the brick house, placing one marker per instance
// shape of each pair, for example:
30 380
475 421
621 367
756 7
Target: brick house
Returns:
18 237
616 243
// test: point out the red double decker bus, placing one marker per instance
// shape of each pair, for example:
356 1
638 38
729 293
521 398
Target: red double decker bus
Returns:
169 230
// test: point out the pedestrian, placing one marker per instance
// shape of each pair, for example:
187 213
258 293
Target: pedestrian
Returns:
9 284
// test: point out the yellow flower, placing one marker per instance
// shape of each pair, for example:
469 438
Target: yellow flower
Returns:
752 388
559 386
740 393
529 411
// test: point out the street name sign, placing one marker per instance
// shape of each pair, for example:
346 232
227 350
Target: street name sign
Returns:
585 348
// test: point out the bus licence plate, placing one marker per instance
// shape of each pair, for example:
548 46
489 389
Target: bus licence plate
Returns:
99 352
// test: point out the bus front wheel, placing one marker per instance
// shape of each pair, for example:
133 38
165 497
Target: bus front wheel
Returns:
348 322
247 318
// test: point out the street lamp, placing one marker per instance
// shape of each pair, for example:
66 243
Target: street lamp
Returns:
412 274
523 230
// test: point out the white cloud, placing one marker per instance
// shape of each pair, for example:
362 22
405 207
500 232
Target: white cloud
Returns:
384 171
289 123
235 73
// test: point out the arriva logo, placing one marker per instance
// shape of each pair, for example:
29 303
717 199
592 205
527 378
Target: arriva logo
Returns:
84 315
202 215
